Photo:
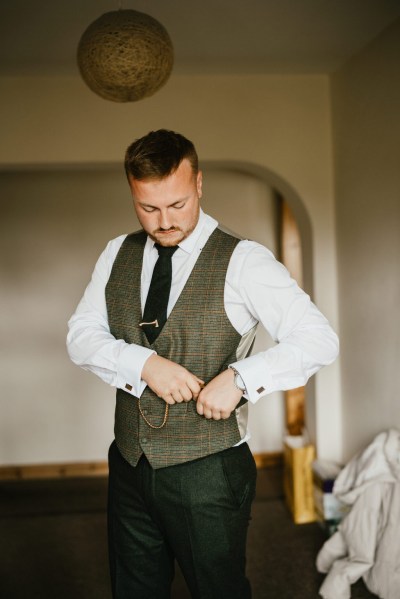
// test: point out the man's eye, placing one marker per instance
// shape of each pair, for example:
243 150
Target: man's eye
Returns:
179 206
148 209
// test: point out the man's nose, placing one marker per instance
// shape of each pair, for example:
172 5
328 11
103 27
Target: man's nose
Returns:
165 221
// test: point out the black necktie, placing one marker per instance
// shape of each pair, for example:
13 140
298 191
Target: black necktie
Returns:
155 310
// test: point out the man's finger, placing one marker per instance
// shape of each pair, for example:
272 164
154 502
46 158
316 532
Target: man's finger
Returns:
168 399
199 408
186 393
177 395
195 385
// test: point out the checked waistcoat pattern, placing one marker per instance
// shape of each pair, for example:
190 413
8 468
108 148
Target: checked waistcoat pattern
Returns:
198 335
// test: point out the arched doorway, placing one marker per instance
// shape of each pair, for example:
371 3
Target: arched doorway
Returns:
248 199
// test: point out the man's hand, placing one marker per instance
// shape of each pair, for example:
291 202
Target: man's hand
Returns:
170 381
220 397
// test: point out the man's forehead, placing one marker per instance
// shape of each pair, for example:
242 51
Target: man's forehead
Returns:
183 169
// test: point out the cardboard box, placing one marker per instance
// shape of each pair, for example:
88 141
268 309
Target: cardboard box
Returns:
298 481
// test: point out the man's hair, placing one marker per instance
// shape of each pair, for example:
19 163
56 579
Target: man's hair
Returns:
158 154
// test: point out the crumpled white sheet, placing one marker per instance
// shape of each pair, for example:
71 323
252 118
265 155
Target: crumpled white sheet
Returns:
367 543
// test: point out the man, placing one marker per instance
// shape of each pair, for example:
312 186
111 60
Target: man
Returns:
169 318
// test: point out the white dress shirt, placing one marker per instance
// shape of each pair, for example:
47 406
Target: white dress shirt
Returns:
258 288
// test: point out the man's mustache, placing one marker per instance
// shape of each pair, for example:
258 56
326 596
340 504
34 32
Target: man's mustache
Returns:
170 229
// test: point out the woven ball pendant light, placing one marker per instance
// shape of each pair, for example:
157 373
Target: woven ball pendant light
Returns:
125 55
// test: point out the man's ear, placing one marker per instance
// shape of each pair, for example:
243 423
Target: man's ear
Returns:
199 183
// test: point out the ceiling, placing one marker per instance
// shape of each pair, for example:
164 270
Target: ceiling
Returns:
209 36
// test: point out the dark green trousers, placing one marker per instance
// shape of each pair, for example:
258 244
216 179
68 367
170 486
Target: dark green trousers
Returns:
197 513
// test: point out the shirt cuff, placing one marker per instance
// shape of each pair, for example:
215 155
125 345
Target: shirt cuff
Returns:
256 378
129 369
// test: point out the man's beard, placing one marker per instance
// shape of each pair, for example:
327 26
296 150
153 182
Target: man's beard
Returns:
163 239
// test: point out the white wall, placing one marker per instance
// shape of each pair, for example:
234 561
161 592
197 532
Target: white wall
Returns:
366 103
277 123
53 225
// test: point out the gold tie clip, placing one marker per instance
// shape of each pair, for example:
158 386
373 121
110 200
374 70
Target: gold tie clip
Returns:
155 322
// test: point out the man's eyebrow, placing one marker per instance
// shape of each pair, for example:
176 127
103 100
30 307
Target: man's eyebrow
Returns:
145 204
180 200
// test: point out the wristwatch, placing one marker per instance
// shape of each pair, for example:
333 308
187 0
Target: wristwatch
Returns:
238 381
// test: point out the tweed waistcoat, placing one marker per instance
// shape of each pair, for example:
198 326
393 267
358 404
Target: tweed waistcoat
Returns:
198 335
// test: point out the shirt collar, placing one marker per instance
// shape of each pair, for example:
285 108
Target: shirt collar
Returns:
189 243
